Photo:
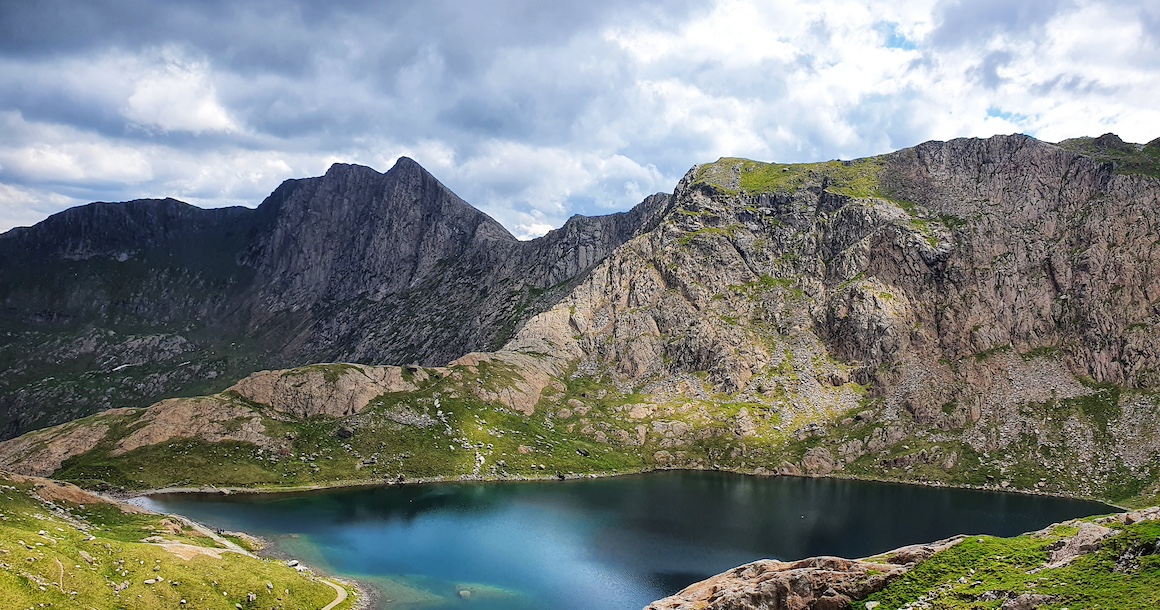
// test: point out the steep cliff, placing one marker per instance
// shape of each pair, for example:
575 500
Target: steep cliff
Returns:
110 305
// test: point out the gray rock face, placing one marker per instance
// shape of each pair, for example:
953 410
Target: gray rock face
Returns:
817 583
108 305
1056 249
980 291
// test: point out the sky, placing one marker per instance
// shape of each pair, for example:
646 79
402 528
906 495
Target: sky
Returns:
530 110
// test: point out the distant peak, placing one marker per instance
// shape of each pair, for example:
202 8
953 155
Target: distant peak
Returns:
407 165
1111 141
346 169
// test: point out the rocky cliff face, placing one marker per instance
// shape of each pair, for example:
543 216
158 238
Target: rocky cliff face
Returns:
979 309
121 304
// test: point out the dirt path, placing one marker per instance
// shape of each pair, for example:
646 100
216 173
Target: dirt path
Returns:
337 600
228 544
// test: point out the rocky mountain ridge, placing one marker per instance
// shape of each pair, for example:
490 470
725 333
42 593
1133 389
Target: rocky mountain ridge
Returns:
973 312
110 305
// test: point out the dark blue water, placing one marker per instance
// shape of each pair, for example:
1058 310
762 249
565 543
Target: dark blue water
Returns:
601 544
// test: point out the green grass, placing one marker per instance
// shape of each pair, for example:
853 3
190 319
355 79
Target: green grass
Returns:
989 564
1101 406
64 556
857 179
987 354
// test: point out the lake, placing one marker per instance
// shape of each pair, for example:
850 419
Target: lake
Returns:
616 543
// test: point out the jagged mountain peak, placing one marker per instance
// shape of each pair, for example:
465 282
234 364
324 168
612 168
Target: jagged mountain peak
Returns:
357 194
155 298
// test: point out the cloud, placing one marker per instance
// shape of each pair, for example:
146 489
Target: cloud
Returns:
21 207
535 111
177 95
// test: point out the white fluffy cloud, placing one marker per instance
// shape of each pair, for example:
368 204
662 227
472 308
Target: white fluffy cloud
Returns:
177 95
536 111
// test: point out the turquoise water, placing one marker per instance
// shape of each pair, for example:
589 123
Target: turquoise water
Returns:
597 544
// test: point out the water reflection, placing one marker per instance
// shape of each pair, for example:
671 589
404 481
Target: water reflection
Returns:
608 543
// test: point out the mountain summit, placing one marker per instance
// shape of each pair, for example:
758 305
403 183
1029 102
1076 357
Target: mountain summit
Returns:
121 304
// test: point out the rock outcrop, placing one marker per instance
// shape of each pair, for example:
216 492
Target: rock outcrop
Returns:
43 455
955 578
210 418
817 583
334 390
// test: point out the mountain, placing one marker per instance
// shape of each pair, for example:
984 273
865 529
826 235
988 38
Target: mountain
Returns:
972 312
122 304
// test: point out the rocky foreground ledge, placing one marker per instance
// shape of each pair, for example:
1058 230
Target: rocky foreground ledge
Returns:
1102 562
820 583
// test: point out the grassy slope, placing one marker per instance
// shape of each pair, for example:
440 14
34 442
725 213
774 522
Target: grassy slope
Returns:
444 432
962 576
858 178
42 561
441 431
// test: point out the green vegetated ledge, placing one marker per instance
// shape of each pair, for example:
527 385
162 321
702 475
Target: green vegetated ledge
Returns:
1125 157
1120 572
61 547
858 178
855 179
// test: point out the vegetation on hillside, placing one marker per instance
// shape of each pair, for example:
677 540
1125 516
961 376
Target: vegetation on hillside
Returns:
988 572
857 178
1125 157
85 553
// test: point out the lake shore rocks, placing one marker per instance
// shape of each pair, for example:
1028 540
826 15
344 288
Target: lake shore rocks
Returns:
817 583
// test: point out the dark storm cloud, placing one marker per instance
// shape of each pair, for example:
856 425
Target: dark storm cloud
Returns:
395 62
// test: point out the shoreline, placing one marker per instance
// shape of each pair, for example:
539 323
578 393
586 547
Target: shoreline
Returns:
443 479
365 594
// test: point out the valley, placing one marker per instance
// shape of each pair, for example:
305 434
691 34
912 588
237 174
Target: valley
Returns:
973 313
